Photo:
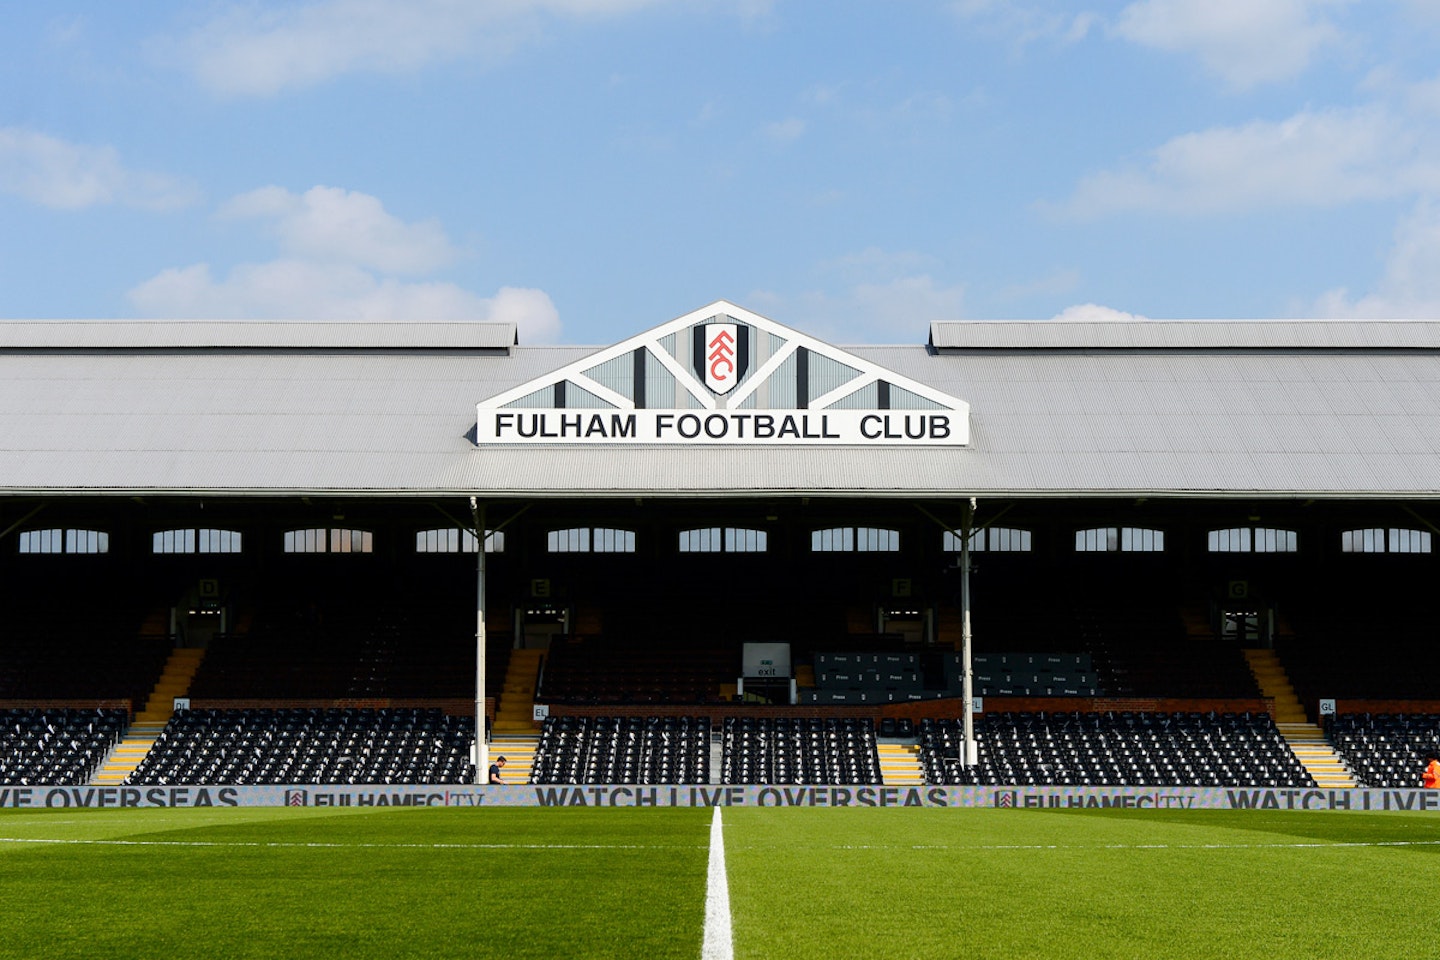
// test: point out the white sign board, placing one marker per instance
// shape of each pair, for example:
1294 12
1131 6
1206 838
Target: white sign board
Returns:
858 428
1327 708
766 660
723 376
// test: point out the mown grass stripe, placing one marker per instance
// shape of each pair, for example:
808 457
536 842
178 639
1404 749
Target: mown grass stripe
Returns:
350 846
1138 846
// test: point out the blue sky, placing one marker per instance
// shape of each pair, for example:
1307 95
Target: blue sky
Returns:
590 168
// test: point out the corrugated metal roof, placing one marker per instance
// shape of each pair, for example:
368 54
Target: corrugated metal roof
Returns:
226 334
1186 335
1043 423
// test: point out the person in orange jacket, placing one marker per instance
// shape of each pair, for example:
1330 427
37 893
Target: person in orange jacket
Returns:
1431 777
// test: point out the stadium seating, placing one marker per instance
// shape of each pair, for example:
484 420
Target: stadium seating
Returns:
597 670
623 750
1384 750
1114 749
831 750
39 661
63 747
329 746
369 649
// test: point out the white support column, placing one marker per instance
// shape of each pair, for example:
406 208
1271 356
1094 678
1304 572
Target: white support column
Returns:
971 755
482 751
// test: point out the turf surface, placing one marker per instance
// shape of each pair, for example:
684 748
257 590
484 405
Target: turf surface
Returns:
920 883
1081 884
408 883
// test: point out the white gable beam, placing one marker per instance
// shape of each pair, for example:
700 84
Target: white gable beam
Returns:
845 389
682 376
602 391
753 381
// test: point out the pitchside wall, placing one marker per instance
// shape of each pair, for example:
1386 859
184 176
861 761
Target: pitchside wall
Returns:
517 795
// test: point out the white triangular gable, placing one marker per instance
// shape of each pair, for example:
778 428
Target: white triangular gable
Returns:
649 389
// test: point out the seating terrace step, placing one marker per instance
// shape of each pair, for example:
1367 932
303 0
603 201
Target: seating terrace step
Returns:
900 764
1275 683
519 753
128 753
1307 742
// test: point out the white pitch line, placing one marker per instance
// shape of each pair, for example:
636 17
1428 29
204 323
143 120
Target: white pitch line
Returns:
717 944
1141 846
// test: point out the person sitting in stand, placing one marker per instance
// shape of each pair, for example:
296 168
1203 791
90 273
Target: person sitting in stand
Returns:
495 769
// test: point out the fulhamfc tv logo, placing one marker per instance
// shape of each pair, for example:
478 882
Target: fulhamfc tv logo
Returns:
1005 798
296 798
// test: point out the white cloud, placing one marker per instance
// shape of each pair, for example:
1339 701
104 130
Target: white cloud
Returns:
1245 42
1025 23
1093 313
303 290
252 50
340 250
785 131
326 223
896 310
68 176
1410 286
1315 158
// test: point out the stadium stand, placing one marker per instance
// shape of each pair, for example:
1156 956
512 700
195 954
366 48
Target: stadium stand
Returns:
91 652
602 670
63 747
1114 749
1384 750
830 750
623 750
361 648
310 746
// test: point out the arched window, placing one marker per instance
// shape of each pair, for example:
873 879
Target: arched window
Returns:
1383 540
1122 539
58 540
329 540
456 540
993 539
1252 540
855 540
587 540
192 540
723 540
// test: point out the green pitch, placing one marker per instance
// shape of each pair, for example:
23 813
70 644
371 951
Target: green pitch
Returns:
924 883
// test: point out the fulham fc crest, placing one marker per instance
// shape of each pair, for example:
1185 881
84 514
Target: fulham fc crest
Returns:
722 353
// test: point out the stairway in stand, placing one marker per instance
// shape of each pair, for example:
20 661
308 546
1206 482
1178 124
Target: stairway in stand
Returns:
128 753
513 734
1306 740
900 765
519 753
174 682
515 709
1274 683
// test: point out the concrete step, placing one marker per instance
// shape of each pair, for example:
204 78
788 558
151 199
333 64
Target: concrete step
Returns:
127 754
1307 742
900 764
519 754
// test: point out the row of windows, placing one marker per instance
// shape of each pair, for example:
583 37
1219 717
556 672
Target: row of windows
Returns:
64 541
728 540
